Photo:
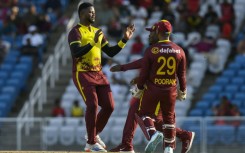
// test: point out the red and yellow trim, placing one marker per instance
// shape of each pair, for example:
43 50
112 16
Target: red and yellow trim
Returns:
104 44
157 109
74 42
164 40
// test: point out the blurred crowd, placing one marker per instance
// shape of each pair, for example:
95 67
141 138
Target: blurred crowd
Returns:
25 25
198 24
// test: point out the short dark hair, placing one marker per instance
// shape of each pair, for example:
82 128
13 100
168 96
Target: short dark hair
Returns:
83 6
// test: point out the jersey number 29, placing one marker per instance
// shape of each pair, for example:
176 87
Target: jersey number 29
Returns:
170 62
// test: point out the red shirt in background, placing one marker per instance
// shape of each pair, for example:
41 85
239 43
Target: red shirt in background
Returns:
193 6
227 12
58 112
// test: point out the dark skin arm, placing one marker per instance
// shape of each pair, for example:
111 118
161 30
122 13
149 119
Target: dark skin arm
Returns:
78 50
113 50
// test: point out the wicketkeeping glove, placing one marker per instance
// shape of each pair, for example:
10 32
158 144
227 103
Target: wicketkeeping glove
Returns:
136 92
181 95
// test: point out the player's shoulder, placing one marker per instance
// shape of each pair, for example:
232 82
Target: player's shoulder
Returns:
177 46
74 29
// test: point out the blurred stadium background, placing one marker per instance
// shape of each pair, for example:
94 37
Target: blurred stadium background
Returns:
210 31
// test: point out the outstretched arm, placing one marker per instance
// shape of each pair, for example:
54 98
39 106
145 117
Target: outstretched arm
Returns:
113 50
130 66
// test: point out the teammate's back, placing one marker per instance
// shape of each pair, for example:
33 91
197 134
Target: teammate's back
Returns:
166 60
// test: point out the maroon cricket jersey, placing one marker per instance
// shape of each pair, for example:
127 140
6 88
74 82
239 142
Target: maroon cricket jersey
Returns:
133 65
83 35
164 63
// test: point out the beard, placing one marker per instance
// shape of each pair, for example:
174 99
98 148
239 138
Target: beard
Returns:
91 20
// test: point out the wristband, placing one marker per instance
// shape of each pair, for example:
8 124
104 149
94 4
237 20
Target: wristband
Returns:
121 44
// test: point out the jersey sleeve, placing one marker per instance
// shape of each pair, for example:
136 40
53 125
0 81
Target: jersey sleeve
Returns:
74 37
182 72
145 69
133 65
104 41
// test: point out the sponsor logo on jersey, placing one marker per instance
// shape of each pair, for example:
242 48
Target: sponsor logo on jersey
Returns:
169 50
155 50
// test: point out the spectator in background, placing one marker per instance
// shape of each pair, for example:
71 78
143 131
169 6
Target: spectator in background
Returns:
36 40
35 37
227 19
210 16
114 28
160 2
17 20
5 3
226 31
5 44
31 15
113 3
193 6
44 25
8 3
53 6
212 29
182 9
125 15
147 4
168 14
235 112
194 22
241 47
76 110
106 15
226 108
8 28
181 24
138 11
58 111
3 13
30 50
206 45
4 48
222 109
227 13
138 46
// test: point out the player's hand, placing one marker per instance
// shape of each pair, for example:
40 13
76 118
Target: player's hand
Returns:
181 95
97 35
115 68
136 92
134 80
129 32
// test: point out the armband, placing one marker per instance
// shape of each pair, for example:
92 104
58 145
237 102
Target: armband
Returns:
121 44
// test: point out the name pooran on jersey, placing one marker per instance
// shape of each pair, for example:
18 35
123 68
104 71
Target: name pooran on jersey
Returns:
165 81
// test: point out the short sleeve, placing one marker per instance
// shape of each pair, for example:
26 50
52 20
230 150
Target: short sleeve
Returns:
74 36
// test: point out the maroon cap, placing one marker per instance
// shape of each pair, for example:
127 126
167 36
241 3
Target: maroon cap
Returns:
164 26
161 26
153 28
